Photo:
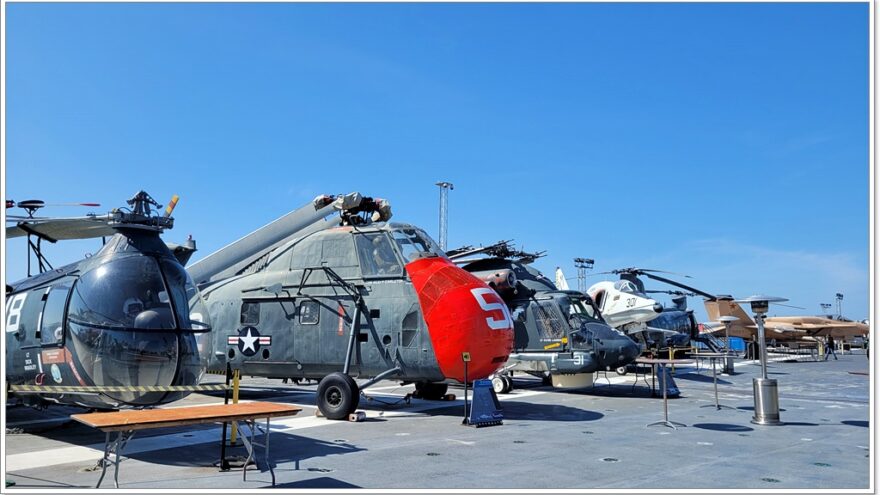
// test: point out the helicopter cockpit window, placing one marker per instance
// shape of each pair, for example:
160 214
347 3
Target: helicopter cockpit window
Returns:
584 308
188 304
414 243
549 321
124 293
376 256
51 323
626 286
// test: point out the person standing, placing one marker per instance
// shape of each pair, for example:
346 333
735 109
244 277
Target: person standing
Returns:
829 344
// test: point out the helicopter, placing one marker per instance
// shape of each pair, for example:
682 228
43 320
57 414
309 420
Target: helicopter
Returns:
113 324
560 335
627 304
331 298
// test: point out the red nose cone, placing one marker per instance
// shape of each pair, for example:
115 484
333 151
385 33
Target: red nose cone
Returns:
463 315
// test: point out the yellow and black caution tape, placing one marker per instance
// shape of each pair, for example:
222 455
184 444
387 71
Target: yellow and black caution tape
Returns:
68 389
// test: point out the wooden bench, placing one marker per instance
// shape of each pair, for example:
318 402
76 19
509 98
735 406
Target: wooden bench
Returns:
126 423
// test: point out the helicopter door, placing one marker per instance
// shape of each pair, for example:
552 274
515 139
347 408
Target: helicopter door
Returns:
51 321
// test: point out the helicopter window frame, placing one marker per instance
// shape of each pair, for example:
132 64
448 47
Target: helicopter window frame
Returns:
40 331
312 316
366 259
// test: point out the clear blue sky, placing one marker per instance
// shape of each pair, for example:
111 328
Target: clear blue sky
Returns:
725 141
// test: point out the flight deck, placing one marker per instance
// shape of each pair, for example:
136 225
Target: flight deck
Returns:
590 438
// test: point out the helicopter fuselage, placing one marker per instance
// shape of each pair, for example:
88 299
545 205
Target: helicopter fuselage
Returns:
120 318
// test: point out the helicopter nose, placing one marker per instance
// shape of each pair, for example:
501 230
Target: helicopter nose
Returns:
463 315
658 308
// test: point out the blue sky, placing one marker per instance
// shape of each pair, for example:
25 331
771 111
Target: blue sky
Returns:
725 141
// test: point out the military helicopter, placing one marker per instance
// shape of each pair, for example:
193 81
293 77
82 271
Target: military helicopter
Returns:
560 335
315 296
124 319
626 303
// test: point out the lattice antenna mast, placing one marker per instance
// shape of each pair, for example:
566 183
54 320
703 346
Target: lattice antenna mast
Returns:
445 187
582 265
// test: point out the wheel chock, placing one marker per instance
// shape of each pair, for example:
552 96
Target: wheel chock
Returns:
318 413
448 397
357 417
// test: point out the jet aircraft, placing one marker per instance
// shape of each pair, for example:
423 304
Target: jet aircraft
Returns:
125 318
316 296
779 328
560 335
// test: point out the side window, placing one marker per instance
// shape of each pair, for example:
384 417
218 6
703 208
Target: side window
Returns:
376 256
550 325
309 312
51 322
250 314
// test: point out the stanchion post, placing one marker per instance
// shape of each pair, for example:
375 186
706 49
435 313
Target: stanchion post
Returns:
236 378
465 357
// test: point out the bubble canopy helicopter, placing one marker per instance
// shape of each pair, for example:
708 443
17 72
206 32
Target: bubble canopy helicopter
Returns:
127 318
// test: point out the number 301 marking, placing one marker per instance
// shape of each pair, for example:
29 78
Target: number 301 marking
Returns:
505 322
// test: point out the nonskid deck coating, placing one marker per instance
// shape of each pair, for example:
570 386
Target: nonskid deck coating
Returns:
594 438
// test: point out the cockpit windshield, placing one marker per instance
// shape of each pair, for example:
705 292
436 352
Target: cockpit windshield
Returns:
584 307
628 287
130 293
415 243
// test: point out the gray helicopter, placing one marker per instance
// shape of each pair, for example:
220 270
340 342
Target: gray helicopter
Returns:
113 325
313 295
559 334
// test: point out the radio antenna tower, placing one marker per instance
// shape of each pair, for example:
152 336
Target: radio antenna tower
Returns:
444 200
839 298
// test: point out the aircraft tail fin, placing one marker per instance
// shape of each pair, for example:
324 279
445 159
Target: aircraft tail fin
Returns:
725 306
561 283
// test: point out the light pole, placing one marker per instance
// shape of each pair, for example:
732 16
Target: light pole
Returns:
765 389
839 298
825 308
728 359
444 193
582 265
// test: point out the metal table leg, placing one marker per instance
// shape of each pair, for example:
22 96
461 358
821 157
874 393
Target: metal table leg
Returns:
250 443
113 448
665 422
717 406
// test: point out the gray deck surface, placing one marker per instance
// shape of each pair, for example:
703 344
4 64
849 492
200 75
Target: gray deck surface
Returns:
591 438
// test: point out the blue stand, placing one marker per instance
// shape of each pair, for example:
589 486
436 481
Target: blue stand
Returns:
485 409
671 387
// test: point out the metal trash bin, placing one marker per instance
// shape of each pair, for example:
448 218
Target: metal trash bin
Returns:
766 401
728 365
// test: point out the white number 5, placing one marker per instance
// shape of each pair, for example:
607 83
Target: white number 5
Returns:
505 322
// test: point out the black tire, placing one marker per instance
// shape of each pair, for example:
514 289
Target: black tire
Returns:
621 370
338 396
547 380
431 390
509 380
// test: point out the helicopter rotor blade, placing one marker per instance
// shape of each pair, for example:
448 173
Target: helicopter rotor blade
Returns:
662 271
679 284
788 306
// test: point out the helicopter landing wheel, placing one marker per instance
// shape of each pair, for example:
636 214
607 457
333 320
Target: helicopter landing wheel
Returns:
338 396
621 370
501 384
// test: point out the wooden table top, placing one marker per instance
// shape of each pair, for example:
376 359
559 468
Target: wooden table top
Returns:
179 416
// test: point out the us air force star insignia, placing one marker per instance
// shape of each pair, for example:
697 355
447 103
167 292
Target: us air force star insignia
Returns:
249 340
